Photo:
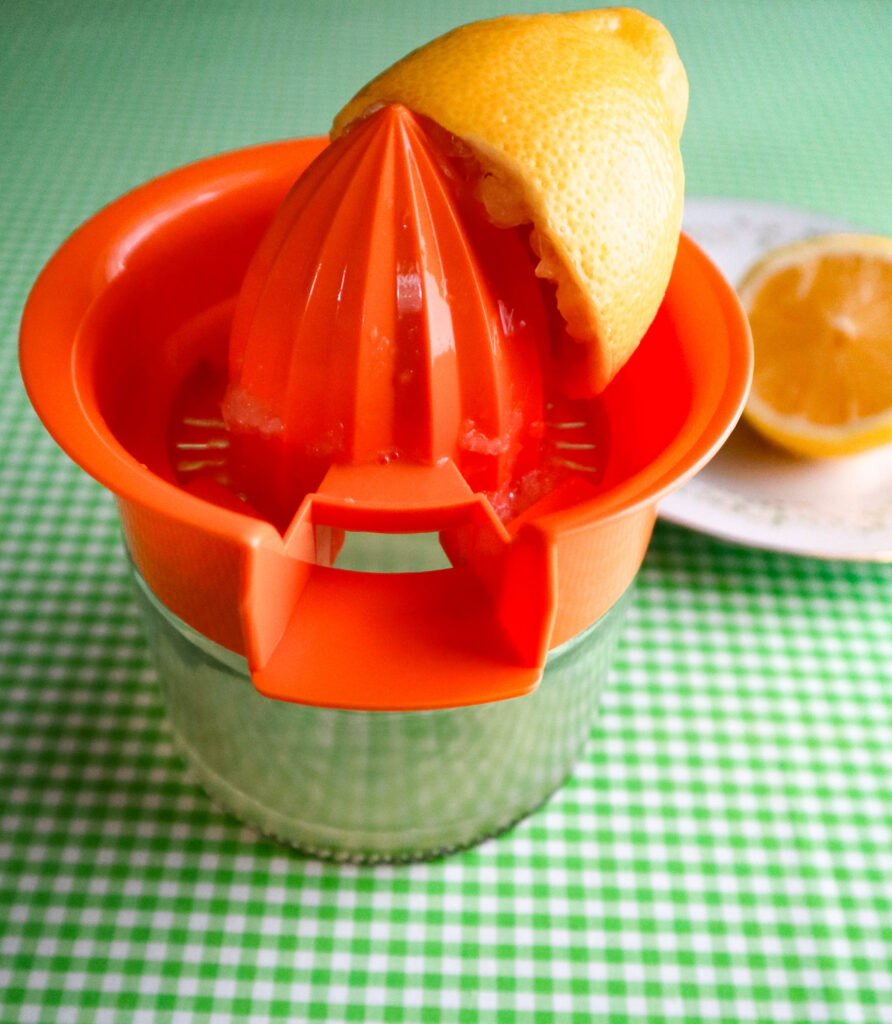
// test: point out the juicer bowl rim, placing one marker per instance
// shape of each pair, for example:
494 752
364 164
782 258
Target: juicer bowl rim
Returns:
51 328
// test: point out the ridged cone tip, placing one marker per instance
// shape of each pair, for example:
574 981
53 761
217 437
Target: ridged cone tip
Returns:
383 318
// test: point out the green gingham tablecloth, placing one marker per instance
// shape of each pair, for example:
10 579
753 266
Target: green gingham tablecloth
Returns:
723 852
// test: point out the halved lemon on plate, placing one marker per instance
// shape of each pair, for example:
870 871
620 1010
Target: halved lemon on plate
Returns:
821 317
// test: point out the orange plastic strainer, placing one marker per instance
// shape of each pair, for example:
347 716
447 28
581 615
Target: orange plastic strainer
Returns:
384 368
383 321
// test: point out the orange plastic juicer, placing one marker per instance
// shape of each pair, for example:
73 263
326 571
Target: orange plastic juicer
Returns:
268 351
389 369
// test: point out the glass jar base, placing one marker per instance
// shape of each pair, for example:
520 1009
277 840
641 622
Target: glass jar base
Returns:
373 786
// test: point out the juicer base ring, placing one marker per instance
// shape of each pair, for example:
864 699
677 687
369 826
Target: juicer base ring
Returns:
260 819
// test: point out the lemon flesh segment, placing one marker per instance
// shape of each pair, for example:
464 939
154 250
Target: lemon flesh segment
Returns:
821 317
574 120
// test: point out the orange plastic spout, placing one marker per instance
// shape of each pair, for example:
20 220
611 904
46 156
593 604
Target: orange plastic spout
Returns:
382 320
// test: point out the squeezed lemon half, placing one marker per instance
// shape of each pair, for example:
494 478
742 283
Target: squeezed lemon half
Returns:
574 122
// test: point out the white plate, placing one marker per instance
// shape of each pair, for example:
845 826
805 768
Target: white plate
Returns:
751 492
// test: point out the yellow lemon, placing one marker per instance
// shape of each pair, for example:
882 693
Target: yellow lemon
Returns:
821 316
574 122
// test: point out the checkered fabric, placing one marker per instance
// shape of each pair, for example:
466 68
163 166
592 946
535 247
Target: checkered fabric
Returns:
723 852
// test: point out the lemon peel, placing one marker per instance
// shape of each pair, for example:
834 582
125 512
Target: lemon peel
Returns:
574 120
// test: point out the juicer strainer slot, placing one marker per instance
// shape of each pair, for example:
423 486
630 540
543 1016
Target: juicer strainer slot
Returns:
389 552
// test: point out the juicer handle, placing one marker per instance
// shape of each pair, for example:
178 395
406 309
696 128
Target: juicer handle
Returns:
471 634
